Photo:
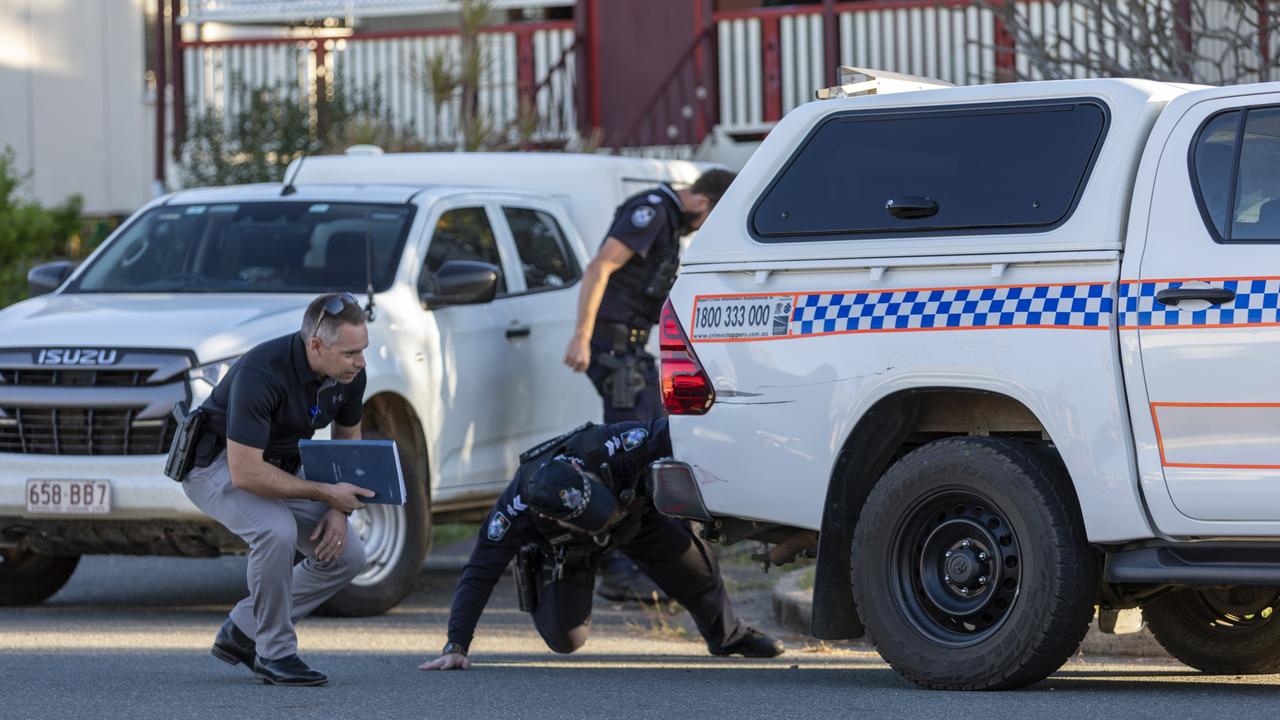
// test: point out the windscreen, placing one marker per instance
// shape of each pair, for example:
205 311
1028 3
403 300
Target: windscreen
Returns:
286 247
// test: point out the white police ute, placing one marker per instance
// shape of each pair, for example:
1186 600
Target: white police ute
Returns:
1000 354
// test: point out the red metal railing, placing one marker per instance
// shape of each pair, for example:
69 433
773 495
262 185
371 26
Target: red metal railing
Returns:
684 108
749 67
533 68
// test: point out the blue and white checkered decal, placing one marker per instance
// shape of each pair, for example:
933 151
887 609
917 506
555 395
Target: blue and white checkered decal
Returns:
1049 306
1257 302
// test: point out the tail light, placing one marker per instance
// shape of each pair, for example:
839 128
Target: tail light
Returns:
686 389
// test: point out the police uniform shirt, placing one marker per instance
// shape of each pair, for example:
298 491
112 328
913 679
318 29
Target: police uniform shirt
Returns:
648 224
627 447
271 399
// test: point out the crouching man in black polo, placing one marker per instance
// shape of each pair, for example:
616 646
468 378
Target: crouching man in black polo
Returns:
248 477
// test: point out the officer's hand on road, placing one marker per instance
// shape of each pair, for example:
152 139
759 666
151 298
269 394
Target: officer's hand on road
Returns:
345 497
452 661
332 534
578 355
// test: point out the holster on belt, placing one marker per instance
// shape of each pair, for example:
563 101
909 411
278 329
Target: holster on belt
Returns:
627 378
528 576
186 441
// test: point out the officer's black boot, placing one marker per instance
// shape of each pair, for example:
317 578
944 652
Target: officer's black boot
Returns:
623 581
232 646
754 644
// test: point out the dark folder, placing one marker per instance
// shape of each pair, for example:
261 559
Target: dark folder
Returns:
372 464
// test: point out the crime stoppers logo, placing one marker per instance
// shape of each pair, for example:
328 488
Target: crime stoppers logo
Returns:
781 318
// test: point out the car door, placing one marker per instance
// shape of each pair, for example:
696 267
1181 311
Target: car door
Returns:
1204 308
550 261
469 354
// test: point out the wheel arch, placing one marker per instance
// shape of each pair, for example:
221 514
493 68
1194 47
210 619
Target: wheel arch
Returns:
894 425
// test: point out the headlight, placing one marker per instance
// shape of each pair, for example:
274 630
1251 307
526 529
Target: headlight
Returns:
212 373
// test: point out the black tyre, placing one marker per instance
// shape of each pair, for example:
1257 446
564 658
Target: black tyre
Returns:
29 578
1228 631
971 569
396 540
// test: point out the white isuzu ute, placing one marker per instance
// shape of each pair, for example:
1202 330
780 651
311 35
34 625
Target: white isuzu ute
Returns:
1011 352
463 381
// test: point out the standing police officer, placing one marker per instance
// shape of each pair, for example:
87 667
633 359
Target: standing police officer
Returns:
623 290
621 299
572 499
248 477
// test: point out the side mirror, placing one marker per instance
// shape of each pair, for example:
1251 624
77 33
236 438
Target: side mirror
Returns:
459 282
46 278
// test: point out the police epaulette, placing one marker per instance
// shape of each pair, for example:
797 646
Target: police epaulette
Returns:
543 447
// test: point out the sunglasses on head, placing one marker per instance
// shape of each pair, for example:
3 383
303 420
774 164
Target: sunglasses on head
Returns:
333 306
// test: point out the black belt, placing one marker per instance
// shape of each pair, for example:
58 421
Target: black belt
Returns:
287 464
620 334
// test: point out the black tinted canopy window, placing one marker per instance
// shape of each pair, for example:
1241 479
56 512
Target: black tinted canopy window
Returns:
1013 166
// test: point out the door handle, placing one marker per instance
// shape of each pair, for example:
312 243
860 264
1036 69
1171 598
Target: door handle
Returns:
518 331
909 207
1173 296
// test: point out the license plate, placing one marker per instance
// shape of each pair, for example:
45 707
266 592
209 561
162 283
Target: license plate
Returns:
69 497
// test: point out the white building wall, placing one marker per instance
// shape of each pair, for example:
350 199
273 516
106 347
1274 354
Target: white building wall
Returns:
73 100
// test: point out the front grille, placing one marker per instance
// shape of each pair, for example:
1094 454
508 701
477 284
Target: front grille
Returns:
75 378
83 431
124 408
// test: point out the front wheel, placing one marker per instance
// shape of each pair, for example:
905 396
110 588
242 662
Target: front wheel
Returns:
30 578
971 570
396 540
1226 631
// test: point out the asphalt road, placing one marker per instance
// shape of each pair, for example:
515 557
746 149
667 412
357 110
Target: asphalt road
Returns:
129 638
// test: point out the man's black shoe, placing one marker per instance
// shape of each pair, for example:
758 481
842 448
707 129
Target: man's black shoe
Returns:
233 647
288 670
754 644
625 582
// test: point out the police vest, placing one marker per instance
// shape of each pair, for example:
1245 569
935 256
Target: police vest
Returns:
642 284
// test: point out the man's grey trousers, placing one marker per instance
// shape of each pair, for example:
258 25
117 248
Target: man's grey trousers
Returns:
280 593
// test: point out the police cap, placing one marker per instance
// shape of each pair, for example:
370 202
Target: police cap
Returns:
560 491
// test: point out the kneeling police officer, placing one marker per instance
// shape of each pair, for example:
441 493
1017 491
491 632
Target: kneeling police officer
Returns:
573 499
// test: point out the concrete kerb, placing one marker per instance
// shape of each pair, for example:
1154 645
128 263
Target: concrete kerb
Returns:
793 609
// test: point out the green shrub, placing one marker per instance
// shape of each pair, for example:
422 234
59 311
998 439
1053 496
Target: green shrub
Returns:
31 234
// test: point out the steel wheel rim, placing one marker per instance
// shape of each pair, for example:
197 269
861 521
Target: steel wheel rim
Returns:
1234 611
957 567
383 530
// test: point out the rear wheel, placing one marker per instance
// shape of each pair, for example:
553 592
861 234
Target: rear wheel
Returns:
29 578
970 566
1228 631
396 540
